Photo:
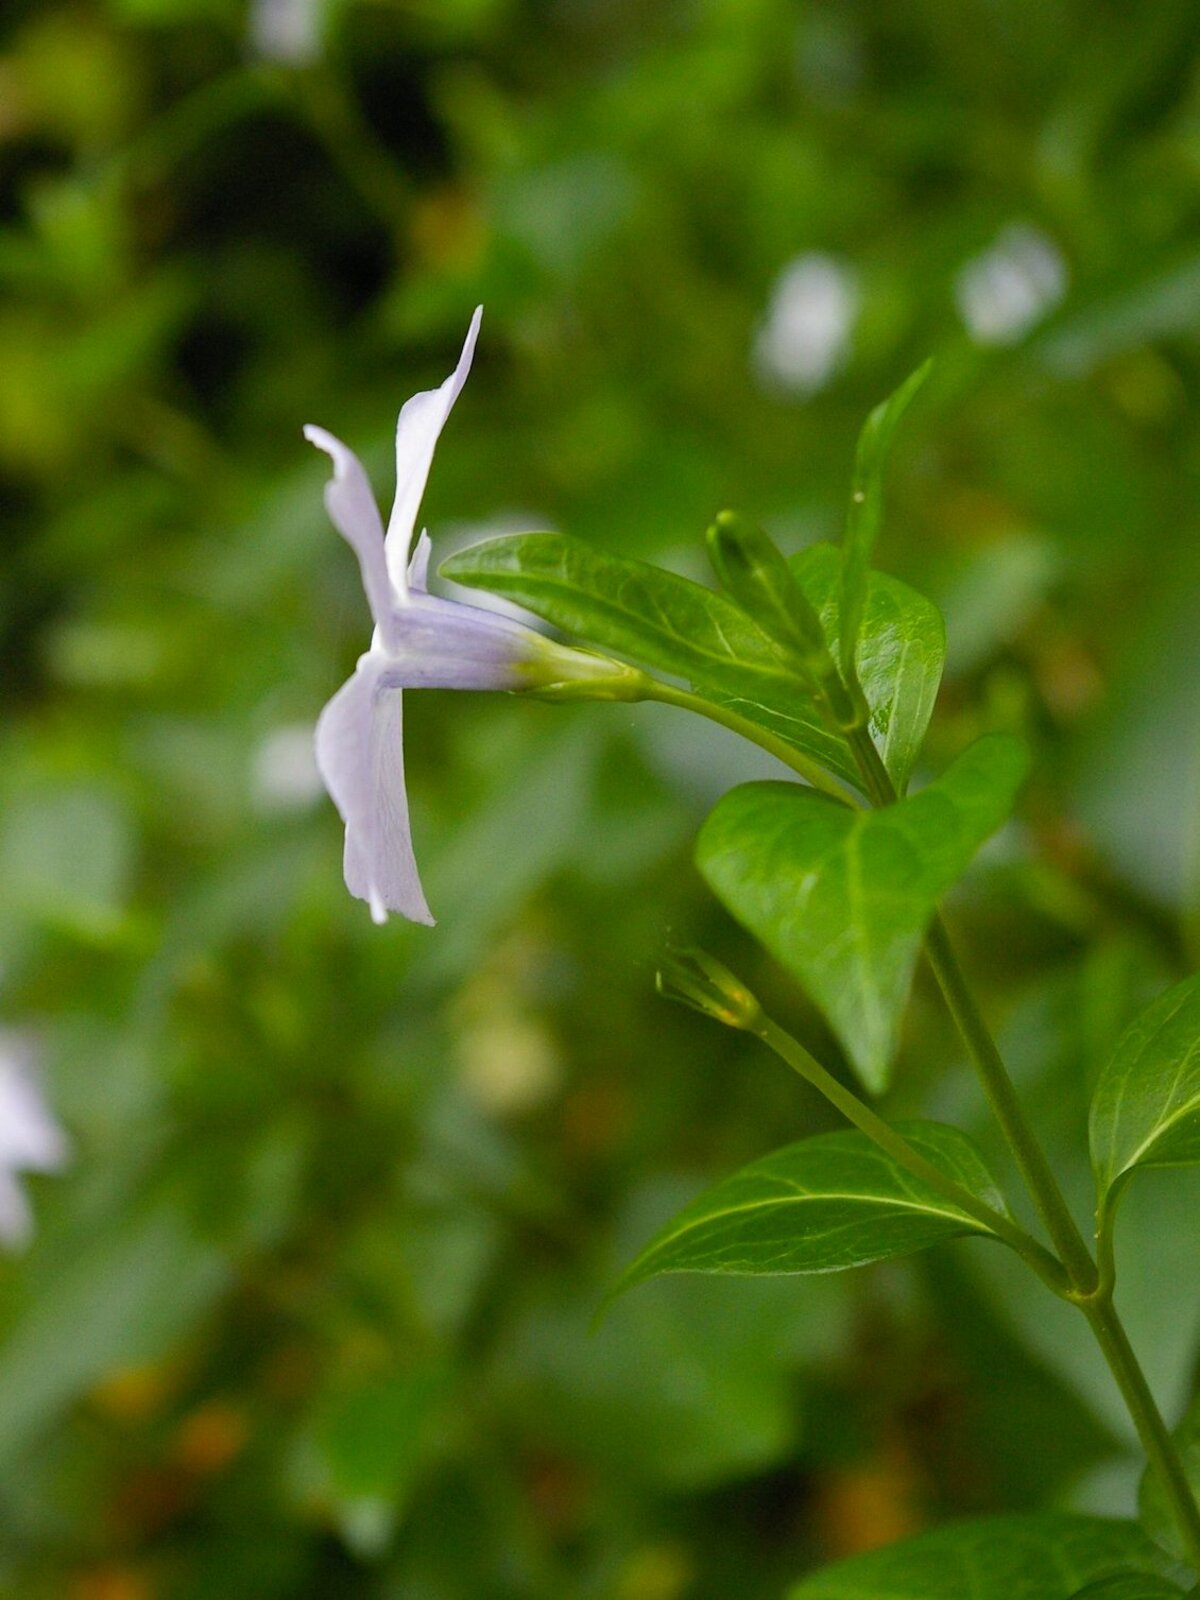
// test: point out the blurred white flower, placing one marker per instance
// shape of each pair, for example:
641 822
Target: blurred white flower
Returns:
30 1139
284 775
286 30
1012 285
805 336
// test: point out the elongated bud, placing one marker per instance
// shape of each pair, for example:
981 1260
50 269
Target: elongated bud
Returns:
696 979
754 571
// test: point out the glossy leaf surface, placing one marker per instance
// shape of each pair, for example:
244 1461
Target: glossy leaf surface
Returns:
1129 1586
899 656
669 624
1038 1557
1146 1107
843 898
820 1205
658 620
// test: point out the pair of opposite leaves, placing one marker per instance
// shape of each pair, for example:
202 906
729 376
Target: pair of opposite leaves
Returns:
843 898
853 942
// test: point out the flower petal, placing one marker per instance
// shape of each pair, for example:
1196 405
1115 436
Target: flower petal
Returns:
361 756
421 421
418 567
353 512
446 644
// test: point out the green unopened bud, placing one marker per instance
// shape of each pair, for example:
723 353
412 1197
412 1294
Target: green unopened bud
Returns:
754 571
698 980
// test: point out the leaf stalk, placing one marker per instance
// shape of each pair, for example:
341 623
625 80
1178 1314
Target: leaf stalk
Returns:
867 1121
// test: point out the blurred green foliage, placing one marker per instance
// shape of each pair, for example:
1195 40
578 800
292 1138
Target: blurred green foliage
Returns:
309 1314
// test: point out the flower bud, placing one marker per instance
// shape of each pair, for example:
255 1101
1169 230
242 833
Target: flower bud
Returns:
696 979
759 579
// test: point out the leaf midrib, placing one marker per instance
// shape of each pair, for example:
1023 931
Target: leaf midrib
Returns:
1189 1106
561 584
817 1197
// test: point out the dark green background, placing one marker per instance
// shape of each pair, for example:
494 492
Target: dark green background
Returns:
308 1316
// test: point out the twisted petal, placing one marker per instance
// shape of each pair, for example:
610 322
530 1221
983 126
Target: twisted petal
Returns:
353 512
361 757
421 421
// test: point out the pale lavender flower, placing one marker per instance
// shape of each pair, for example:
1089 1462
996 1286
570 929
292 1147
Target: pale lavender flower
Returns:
420 642
30 1139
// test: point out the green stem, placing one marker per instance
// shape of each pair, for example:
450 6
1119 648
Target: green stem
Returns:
1090 1288
667 694
907 1155
1152 1430
981 1047
1002 1097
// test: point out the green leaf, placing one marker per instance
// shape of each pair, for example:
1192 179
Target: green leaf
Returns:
659 620
1146 1106
362 1448
1129 1586
821 1205
751 568
899 656
866 505
611 1397
1045 1556
671 625
843 898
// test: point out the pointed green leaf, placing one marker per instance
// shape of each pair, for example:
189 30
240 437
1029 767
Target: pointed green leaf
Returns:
899 657
1044 1556
843 898
1130 1586
1146 1106
866 505
753 571
669 624
658 620
823 1204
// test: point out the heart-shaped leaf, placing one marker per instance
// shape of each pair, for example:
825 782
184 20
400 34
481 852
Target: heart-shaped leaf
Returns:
1044 1556
823 1204
843 898
1146 1106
